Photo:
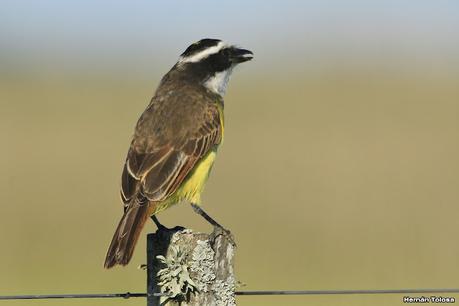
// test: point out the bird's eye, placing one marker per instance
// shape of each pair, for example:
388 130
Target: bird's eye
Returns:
226 52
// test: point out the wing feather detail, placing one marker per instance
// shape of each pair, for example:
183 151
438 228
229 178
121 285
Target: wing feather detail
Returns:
156 169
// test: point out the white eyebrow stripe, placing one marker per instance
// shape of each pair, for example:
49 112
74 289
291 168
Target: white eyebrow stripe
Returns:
203 54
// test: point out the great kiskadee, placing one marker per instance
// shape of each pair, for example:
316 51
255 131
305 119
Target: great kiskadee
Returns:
175 141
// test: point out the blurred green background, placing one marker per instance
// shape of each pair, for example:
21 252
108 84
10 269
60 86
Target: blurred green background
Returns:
341 156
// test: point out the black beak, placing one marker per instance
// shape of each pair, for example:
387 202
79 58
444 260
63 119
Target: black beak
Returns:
240 55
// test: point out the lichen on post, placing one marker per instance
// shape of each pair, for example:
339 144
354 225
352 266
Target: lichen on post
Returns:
191 268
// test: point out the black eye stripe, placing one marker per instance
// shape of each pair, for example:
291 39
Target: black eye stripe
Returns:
200 46
218 61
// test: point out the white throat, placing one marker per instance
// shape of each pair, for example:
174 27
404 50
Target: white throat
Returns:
219 82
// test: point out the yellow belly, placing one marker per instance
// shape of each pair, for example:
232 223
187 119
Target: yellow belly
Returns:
193 186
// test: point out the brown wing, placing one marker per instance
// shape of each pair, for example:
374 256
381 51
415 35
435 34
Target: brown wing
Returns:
156 166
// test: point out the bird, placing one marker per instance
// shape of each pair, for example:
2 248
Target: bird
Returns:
175 141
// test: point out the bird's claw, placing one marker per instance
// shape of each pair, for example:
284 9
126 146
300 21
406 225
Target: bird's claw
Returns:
219 230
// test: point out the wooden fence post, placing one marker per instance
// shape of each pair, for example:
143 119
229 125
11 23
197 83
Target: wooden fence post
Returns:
192 268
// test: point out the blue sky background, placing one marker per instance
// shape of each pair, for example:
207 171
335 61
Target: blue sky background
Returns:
100 33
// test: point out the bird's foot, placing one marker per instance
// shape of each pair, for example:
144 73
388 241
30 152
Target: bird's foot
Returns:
164 228
220 230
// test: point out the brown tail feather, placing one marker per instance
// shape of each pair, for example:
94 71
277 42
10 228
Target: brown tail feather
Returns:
126 235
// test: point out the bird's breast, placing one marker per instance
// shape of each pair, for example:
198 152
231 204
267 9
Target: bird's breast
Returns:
192 188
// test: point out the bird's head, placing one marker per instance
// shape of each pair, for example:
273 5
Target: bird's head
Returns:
211 61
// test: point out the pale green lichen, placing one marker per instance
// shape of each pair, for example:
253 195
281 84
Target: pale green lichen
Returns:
224 292
174 279
176 236
203 264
